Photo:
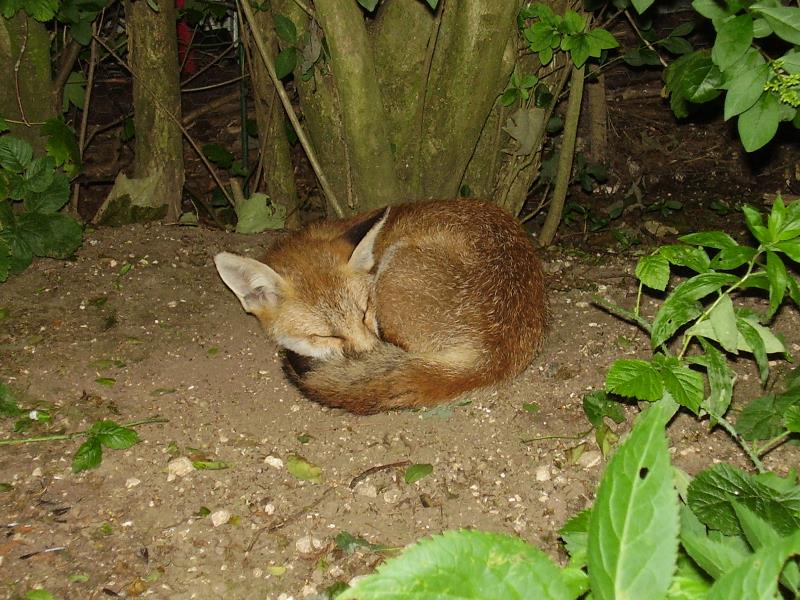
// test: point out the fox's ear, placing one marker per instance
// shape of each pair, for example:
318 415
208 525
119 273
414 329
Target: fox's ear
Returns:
253 282
364 235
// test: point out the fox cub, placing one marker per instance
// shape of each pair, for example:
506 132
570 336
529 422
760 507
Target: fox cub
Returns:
406 306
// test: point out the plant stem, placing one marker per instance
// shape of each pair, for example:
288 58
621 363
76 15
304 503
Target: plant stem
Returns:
71 436
622 313
773 443
751 453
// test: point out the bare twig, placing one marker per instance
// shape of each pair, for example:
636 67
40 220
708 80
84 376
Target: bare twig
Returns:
284 522
364 474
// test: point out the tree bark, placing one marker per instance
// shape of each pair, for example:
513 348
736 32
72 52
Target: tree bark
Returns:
25 96
153 56
275 159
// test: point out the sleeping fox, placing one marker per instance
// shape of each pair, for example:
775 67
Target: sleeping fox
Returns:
402 307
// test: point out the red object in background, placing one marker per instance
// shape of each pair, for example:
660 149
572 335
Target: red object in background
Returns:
184 39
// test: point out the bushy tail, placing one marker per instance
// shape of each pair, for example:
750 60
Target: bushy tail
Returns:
384 378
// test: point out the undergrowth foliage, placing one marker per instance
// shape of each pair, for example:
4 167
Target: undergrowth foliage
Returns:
653 531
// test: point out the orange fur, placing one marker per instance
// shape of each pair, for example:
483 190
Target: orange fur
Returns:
400 310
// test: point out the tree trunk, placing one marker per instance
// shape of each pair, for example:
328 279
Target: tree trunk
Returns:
25 95
275 159
153 57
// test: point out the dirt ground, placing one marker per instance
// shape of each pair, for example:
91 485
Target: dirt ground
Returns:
187 352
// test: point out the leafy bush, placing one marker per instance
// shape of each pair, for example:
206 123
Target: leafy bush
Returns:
32 192
727 535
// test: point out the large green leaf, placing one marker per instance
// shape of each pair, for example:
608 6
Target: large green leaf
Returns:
745 90
684 384
720 379
634 378
653 271
255 215
784 20
759 123
713 492
733 40
49 234
633 527
464 564
15 153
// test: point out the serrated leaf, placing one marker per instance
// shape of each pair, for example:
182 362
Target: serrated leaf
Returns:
113 435
713 491
634 378
457 564
15 153
575 533
715 554
653 271
418 471
763 417
732 258
757 576
684 384
62 146
88 455
686 256
759 123
303 470
597 406
633 527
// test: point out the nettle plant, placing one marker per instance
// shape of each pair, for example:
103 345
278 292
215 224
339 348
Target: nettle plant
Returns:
33 189
714 327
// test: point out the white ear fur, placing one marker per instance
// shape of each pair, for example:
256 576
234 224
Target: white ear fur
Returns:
363 258
253 282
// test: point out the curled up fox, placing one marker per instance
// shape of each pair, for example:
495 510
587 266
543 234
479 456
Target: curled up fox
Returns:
402 307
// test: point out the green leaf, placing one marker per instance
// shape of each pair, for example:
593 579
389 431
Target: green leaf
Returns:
763 417
759 123
713 492
597 406
39 595
41 10
575 533
54 235
693 77
715 554
286 62
732 258
416 472
5 260
62 146
634 378
791 418
285 29
218 155
368 4
303 470
256 214
757 576
686 256
711 9
733 40
778 281
710 239
745 90
88 455
720 380
754 340
676 45
641 5
784 20
723 322
51 198
653 271
112 435
15 153
459 564
684 384
633 527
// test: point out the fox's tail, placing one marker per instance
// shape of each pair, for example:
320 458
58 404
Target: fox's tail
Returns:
384 378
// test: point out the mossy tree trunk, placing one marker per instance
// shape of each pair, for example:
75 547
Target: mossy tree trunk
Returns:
406 104
153 58
26 92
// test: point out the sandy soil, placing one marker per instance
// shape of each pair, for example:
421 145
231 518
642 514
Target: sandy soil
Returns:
188 352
